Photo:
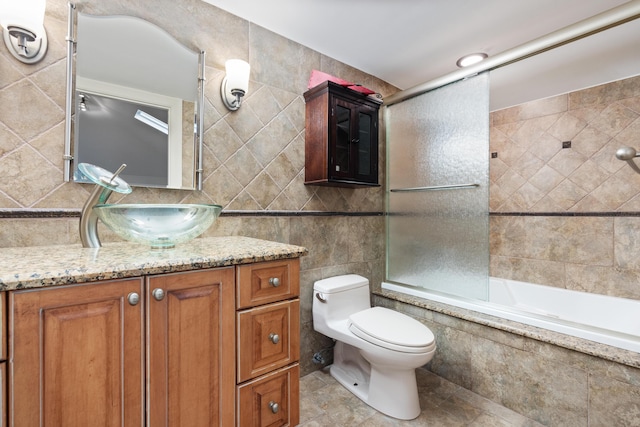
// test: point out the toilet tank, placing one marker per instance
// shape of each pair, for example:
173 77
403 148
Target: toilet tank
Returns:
342 295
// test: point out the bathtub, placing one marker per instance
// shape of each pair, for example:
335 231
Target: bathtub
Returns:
600 318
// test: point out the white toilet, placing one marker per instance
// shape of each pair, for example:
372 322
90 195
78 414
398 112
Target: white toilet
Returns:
377 350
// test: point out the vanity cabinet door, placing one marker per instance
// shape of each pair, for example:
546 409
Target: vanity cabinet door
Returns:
3 394
191 349
76 355
3 359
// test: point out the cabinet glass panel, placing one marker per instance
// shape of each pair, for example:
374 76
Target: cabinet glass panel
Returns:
364 144
343 138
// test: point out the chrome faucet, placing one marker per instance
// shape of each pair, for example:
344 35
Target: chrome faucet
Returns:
106 183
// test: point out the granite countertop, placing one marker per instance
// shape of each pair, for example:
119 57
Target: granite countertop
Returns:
33 267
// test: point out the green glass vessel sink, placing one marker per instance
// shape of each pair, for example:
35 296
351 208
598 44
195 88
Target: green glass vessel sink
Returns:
157 225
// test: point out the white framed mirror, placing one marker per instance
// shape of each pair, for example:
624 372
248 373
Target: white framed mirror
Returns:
138 100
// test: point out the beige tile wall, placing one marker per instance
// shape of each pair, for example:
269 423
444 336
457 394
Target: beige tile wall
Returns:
253 158
534 174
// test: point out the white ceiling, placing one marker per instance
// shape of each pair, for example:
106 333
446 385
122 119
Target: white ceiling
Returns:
409 42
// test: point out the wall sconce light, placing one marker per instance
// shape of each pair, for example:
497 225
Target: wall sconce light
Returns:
235 83
22 22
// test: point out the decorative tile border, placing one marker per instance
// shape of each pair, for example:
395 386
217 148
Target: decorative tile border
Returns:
297 213
568 214
38 213
75 213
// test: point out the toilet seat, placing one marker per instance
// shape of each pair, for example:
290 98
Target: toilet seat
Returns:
392 330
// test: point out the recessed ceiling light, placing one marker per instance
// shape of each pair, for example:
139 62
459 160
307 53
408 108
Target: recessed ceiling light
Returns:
471 59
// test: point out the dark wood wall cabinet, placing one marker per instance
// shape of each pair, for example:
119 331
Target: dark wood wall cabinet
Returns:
341 137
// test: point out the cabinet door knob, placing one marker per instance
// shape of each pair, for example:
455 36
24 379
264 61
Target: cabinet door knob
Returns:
274 407
158 294
133 298
355 140
274 281
274 338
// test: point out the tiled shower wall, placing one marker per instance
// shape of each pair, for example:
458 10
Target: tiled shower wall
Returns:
568 217
253 158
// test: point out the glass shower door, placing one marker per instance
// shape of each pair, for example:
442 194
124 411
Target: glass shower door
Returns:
438 189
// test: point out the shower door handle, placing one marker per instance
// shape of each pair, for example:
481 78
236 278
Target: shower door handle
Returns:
435 187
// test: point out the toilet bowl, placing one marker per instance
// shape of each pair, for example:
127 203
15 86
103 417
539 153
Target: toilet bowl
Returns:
377 350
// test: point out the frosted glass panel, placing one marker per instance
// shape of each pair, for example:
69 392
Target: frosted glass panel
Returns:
439 238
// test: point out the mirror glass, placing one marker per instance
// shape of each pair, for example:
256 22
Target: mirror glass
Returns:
136 102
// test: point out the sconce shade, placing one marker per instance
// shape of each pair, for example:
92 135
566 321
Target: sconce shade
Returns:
237 74
22 22
235 84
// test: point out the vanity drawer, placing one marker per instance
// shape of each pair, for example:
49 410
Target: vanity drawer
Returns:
270 400
266 282
268 338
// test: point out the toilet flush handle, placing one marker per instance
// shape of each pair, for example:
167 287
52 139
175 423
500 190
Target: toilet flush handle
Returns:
320 297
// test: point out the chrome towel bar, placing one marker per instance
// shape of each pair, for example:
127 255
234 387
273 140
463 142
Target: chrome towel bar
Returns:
435 187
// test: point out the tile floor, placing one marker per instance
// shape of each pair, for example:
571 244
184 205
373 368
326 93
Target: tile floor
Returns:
324 402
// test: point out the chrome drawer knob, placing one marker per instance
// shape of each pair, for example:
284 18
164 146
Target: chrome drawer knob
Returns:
274 407
274 281
274 338
158 294
133 298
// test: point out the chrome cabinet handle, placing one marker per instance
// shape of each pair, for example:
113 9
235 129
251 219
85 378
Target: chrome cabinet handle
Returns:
274 338
133 298
274 407
158 294
274 281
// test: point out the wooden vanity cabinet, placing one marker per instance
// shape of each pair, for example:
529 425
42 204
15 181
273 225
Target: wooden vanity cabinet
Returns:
268 339
341 137
213 347
149 351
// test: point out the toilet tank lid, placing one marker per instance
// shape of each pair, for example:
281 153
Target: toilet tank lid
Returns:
340 283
